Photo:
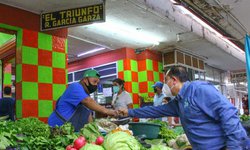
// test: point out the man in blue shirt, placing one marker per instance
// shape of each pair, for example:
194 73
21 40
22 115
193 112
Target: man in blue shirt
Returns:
75 105
209 120
158 93
7 105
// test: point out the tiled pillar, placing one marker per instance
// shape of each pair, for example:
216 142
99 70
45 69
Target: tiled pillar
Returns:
1 77
140 73
128 70
41 74
149 71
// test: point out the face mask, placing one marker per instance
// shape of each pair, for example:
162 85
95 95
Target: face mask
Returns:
116 89
155 90
92 88
167 90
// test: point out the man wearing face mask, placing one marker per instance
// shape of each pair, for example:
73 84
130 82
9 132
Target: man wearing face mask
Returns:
209 120
75 105
158 93
121 98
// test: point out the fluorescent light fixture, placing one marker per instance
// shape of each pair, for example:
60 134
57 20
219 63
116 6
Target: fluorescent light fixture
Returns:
88 41
126 32
204 24
91 51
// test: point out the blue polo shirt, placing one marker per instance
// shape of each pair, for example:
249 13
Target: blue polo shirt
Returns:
210 121
72 96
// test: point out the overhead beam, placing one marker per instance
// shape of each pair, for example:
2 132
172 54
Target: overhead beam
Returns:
8 49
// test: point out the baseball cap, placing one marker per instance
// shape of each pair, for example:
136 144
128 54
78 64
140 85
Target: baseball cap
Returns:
91 73
158 84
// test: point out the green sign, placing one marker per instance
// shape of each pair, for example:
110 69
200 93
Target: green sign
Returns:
73 17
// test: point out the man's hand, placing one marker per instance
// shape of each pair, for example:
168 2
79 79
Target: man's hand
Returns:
123 112
112 113
91 104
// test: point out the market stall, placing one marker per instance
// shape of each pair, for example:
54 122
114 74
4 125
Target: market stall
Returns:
102 134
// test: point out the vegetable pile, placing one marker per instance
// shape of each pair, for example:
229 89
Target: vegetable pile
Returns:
165 132
90 131
180 142
105 125
244 117
81 144
120 141
31 133
92 147
157 144
174 137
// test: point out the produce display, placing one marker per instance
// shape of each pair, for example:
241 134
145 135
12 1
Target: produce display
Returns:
121 128
31 133
244 117
90 131
92 147
105 125
180 142
159 147
120 141
165 132
82 144
157 144
245 120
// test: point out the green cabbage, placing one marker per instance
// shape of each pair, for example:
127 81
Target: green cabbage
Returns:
120 141
160 147
92 147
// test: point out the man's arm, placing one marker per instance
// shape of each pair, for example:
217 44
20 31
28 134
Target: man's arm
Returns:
218 107
169 109
130 106
129 102
91 104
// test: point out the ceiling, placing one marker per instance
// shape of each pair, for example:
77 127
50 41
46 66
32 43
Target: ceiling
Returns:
157 20
233 13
